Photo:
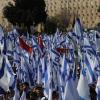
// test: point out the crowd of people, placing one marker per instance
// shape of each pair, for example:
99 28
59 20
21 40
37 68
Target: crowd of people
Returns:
55 67
34 93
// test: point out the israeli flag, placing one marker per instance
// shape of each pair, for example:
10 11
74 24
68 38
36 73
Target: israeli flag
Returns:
70 91
83 88
24 75
11 73
90 64
77 31
7 77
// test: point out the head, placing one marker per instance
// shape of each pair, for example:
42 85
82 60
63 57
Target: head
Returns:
33 96
55 95
38 90
20 87
12 92
25 86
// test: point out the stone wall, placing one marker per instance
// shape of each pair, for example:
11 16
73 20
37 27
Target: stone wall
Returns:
4 21
87 10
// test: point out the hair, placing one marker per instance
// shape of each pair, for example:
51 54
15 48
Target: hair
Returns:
55 94
26 83
33 96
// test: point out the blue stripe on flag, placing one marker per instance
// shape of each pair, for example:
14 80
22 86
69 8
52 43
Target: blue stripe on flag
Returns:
55 52
89 69
2 69
75 35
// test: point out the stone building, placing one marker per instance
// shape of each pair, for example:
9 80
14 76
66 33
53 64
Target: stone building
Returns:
87 10
4 21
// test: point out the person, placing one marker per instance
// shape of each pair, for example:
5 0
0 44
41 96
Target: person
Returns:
33 96
20 89
5 96
25 86
92 92
37 93
55 95
11 94
2 92
26 89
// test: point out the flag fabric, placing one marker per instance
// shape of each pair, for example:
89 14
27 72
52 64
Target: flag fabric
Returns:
83 88
70 92
77 33
90 64
91 60
39 76
6 74
11 74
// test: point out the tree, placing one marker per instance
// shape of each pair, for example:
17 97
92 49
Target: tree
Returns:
51 25
25 12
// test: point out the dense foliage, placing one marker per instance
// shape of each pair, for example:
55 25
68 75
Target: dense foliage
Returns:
25 12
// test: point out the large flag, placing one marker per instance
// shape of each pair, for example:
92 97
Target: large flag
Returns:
90 60
55 56
83 88
7 78
90 64
11 74
92 38
77 33
70 92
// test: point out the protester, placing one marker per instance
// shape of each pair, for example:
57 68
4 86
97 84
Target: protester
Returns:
55 95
